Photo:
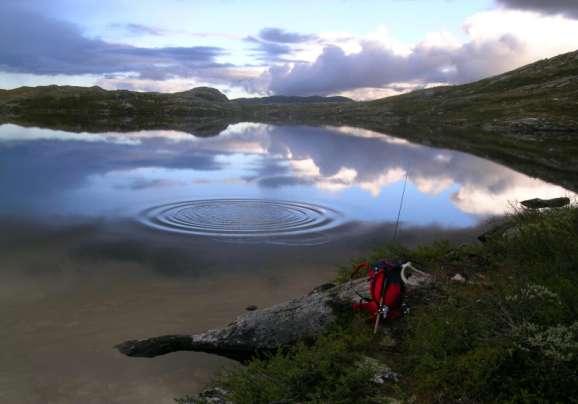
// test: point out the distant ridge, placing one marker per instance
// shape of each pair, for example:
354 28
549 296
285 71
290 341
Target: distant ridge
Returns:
286 99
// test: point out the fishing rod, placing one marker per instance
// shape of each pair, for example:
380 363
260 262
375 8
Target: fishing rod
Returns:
382 308
392 274
396 229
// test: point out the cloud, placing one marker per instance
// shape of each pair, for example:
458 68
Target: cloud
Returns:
71 163
377 66
283 181
281 36
341 158
373 93
567 8
33 43
140 29
496 41
280 61
138 184
270 49
277 45
230 80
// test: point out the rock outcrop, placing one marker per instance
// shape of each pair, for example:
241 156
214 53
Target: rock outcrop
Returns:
510 228
258 331
538 203
266 330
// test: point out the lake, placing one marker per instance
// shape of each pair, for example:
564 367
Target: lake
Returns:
114 236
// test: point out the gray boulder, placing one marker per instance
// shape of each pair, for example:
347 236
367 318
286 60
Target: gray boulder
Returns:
265 330
538 203
258 331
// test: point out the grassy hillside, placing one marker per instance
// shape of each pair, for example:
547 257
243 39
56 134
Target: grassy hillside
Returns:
95 102
539 96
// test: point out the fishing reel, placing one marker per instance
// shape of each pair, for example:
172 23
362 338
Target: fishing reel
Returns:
382 311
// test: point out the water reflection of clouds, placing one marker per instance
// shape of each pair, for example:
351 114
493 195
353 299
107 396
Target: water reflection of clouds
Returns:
268 158
334 160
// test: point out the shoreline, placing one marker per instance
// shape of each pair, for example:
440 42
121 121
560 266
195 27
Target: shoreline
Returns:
484 287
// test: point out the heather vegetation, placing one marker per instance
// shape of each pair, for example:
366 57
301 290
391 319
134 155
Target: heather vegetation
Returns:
508 333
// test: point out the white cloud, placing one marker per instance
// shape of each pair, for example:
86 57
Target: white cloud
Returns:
305 167
433 186
543 36
375 185
377 65
479 201
369 66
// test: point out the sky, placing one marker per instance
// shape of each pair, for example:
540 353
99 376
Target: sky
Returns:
364 49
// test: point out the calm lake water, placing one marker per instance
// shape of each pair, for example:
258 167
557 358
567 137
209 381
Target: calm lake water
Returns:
114 236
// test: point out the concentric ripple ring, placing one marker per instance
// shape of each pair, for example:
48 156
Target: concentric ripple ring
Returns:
241 218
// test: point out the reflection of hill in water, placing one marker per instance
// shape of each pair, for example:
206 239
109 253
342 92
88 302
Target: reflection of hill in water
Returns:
202 127
357 169
552 160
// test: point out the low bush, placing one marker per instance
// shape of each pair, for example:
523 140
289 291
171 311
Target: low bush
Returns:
329 371
507 335
512 337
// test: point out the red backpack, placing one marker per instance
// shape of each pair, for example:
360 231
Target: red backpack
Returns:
386 289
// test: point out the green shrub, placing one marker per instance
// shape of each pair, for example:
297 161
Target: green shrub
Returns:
513 338
329 371
541 237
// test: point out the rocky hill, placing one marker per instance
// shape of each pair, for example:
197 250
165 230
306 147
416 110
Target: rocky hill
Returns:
96 102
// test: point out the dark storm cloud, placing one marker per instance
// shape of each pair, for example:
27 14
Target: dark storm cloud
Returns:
568 8
376 66
33 43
